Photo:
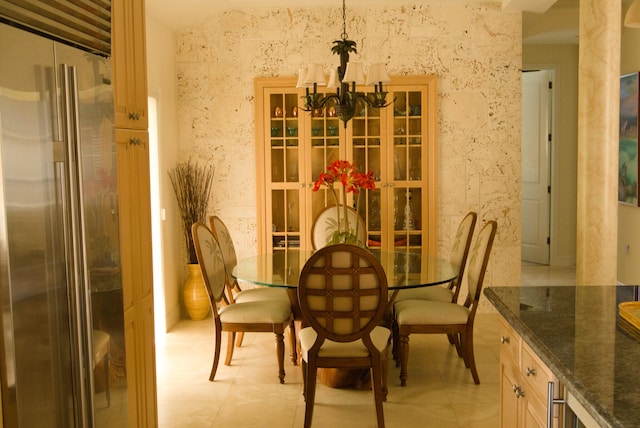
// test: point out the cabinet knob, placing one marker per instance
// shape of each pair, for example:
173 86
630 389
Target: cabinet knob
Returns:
531 371
134 116
517 389
135 141
505 339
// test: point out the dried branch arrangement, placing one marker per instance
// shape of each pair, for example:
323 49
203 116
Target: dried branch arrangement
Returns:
192 186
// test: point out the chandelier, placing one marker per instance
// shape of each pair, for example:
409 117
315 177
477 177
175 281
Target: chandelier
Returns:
343 80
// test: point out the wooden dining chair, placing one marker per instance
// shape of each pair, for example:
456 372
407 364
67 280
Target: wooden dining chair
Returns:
257 316
458 257
433 317
326 223
450 292
342 293
240 295
235 293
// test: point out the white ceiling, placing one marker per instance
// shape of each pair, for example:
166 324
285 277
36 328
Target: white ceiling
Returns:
559 24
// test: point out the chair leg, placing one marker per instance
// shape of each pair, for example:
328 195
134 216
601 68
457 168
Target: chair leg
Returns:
467 340
107 362
385 374
216 354
395 343
280 355
293 344
451 338
404 358
457 341
232 338
303 367
239 338
310 395
376 375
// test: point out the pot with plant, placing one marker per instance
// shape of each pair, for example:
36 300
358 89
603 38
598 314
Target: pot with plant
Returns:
192 186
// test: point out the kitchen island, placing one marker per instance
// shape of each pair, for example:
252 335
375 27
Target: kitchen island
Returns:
576 333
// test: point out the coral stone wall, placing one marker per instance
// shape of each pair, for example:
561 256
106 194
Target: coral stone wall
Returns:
474 49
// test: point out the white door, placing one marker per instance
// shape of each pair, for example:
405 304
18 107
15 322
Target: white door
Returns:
535 166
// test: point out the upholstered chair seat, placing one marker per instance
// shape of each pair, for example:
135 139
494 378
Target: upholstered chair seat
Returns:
430 312
261 293
437 293
270 311
379 338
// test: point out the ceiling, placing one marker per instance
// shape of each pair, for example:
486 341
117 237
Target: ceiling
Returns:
559 24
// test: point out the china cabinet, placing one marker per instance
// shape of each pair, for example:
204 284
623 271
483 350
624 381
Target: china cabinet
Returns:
397 143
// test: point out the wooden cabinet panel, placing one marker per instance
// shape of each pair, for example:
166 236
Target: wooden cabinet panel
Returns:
129 64
132 151
397 143
524 382
509 344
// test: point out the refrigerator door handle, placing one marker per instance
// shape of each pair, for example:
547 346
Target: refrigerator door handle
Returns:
56 117
80 305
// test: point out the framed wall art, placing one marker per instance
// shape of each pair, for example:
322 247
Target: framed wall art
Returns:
628 140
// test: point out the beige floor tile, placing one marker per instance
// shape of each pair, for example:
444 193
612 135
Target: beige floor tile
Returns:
440 392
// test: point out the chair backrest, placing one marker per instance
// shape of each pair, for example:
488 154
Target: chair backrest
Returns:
211 263
461 246
478 261
327 222
342 293
222 235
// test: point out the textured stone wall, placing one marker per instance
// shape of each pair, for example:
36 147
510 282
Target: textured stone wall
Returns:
474 49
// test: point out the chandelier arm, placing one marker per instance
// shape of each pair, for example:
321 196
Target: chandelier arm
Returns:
317 101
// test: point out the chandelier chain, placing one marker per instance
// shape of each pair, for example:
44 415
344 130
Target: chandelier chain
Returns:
345 36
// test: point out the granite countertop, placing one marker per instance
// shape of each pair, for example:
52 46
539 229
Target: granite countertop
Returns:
575 332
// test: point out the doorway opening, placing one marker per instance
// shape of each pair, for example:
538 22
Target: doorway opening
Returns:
537 138
160 322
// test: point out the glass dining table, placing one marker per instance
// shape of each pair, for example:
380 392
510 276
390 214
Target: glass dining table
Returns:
404 269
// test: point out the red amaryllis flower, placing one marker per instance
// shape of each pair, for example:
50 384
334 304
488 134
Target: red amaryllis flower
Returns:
352 181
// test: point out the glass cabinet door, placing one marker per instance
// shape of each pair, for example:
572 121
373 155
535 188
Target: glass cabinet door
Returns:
407 169
327 134
283 165
367 126
389 142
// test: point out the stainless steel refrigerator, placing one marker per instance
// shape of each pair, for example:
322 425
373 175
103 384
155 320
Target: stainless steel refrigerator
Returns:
62 357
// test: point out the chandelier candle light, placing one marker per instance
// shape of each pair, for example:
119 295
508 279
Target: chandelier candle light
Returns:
346 97
352 181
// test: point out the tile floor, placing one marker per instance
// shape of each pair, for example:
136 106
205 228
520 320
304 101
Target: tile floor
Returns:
439 393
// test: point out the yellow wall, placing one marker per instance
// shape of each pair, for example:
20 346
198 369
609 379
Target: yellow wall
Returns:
628 216
161 78
563 60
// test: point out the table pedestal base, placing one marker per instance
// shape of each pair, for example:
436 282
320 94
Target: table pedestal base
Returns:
345 378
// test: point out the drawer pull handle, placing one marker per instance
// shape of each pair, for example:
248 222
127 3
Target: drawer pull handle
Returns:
505 339
135 141
518 391
134 116
531 371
